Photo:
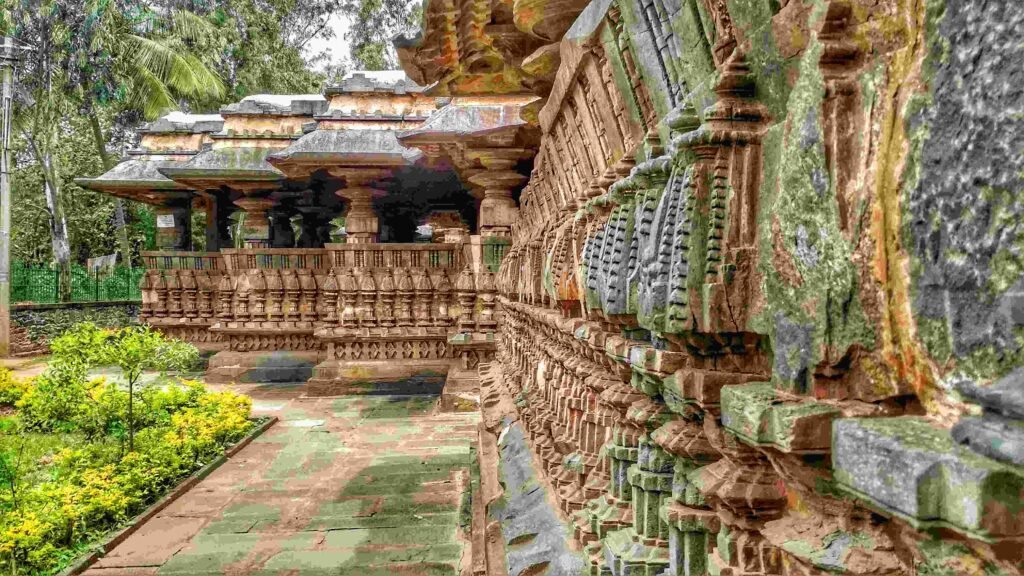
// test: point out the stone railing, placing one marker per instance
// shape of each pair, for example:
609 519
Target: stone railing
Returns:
276 259
299 299
447 256
180 294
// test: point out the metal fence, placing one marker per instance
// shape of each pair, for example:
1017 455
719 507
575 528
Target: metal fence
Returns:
40 284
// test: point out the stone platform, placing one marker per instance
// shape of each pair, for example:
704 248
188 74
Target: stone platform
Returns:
281 366
376 377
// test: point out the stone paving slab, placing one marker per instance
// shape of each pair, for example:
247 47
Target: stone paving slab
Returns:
364 485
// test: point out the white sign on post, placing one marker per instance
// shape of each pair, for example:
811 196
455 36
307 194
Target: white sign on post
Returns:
165 221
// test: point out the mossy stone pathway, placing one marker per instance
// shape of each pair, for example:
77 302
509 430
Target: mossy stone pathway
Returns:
361 485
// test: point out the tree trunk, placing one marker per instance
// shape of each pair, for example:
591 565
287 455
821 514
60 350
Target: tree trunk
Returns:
58 225
131 416
108 163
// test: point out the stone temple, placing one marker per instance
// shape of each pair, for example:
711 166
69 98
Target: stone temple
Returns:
737 286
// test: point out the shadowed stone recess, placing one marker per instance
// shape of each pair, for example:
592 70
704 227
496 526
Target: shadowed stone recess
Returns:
534 534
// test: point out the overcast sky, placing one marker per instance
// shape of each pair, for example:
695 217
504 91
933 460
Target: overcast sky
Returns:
337 47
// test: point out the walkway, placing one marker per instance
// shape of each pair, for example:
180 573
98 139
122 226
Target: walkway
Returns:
359 485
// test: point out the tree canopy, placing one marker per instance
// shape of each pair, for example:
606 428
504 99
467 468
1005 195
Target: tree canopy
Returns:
373 25
98 68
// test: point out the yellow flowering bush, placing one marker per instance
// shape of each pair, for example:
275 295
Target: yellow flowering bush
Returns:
12 389
25 540
218 420
69 470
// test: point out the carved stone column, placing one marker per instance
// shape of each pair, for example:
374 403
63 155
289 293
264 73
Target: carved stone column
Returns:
498 210
361 224
256 225
465 288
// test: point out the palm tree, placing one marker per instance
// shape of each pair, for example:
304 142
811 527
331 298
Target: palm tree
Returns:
147 58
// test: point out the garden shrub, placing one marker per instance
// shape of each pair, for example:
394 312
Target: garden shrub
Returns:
69 474
56 400
11 388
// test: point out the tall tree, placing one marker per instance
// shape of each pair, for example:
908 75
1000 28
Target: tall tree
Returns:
46 28
261 46
146 62
374 24
101 66
95 55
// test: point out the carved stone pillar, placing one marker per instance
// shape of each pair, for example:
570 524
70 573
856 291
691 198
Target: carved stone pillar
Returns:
466 292
329 289
148 295
442 298
292 293
361 224
403 305
366 299
205 288
498 210
386 295
347 289
159 309
307 296
189 293
173 286
275 305
421 305
487 295
258 286
225 289
256 225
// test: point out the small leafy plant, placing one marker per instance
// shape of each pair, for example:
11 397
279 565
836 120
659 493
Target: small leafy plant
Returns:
81 455
137 349
63 392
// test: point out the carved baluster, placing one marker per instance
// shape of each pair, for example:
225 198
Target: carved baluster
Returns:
465 290
148 295
275 294
348 289
173 287
204 284
487 296
292 290
243 295
327 301
258 287
442 298
403 307
365 309
421 305
386 289
189 304
308 295
225 290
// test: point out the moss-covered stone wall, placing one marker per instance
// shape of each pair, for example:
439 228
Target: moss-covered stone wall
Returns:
803 286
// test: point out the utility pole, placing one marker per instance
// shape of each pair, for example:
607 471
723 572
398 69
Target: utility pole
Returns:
9 56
